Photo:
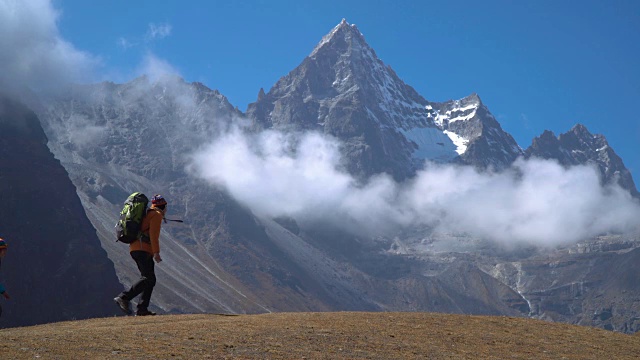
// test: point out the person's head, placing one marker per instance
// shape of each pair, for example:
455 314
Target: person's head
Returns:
3 248
157 201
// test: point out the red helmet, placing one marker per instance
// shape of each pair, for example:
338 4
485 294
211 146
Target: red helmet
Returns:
158 200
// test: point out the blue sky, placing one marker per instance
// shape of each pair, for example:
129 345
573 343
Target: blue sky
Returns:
536 64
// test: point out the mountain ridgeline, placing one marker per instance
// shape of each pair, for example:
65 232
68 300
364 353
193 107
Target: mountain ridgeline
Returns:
343 89
114 139
579 146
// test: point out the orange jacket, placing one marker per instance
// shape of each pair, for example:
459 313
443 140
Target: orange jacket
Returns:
151 225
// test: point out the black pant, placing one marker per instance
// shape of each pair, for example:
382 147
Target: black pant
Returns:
147 281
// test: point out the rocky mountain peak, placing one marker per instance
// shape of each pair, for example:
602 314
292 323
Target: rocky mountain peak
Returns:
580 139
350 63
454 110
579 146
547 146
473 99
546 140
478 137
548 134
343 35
343 89
581 131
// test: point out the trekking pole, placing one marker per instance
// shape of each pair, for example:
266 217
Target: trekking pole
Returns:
176 220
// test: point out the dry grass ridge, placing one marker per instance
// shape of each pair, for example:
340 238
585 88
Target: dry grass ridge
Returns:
342 335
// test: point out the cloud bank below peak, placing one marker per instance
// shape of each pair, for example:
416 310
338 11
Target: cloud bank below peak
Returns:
537 202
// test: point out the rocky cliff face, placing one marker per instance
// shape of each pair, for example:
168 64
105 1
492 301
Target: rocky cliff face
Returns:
591 283
55 268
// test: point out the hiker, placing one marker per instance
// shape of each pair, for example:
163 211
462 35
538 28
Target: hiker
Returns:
3 252
144 251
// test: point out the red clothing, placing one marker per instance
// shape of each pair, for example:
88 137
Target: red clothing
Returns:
151 225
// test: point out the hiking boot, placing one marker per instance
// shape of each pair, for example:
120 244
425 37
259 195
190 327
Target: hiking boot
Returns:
123 304
144 312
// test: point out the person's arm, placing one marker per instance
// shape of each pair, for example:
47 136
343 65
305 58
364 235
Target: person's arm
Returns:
155 223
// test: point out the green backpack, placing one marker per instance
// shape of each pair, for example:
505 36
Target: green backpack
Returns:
128 227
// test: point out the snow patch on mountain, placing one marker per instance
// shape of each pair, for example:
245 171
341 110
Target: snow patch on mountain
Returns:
432 144
459 141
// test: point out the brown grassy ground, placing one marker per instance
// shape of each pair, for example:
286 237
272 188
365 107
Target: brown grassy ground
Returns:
347 335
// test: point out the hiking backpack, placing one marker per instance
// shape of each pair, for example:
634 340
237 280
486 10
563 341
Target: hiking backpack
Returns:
129 226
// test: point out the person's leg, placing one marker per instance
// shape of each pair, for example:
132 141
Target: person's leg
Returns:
125 297
147 269
144 261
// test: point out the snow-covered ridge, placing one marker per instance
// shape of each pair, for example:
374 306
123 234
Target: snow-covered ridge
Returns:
458 110
445 114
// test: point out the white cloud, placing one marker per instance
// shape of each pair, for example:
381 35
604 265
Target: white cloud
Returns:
158 31
32 52
154 32
156 68
82 132
125 43
538 202
261 171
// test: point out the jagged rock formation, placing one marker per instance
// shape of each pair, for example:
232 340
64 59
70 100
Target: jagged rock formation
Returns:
55 268
579 146
479 138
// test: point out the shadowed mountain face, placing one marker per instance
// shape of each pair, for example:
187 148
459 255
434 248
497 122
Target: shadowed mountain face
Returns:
55 268
115 139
